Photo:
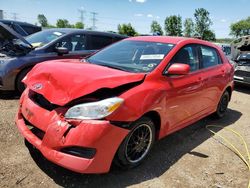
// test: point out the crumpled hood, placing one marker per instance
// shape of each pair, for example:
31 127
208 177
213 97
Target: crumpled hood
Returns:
61 82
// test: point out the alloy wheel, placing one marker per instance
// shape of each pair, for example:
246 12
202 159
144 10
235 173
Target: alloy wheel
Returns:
138 144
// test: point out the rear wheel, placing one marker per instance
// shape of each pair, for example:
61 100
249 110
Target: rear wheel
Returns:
137 144
20 86
223 104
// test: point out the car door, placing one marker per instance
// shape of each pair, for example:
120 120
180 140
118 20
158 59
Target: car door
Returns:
76 45
184 100
214 76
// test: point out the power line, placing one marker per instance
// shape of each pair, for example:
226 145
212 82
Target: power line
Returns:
14 16
93 20
82 12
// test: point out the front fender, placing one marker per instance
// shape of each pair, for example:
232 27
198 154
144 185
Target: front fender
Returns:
147 97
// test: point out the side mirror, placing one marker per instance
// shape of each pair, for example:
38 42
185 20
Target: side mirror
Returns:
62 50
178 69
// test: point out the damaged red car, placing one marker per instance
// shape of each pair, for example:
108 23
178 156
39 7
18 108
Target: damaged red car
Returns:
112 107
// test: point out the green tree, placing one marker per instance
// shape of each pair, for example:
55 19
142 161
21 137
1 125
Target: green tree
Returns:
173 25
79 25
209 35
240 28
156 28
63 23
126 29
42 20
202 23
51 26
188 27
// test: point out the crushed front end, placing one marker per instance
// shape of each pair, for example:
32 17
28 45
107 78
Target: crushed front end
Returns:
84 146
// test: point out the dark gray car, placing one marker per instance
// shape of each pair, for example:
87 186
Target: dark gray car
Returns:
22 28
18 55
242 69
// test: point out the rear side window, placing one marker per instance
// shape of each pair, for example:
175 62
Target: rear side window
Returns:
98 42
209 57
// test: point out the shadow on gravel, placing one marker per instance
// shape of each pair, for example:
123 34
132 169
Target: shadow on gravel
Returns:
242 88
164 154
9 95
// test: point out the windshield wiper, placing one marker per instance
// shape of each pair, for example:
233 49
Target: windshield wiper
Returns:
112 66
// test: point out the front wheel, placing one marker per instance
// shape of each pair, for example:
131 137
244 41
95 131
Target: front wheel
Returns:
20 87
223 104
137 144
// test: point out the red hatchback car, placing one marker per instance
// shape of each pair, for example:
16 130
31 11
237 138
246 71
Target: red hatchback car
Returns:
115 104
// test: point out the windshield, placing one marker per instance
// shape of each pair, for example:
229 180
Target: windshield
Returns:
244 59
43 37
132 56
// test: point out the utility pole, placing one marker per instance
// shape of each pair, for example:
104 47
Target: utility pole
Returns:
93 20
82 12
1 14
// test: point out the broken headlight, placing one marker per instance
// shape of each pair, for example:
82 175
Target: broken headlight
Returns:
94 110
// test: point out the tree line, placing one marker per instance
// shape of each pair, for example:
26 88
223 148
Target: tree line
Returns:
240 28
60 23
173 26
198 27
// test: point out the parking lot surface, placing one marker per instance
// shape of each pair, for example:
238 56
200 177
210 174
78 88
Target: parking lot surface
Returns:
191 157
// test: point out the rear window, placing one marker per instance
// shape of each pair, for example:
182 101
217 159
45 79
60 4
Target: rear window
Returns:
30 30
116 39
98 42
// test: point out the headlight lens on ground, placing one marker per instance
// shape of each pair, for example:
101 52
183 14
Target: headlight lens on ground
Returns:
94 110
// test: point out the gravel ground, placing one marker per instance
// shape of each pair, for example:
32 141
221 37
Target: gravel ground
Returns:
191 157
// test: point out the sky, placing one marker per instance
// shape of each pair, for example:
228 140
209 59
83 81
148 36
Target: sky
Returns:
140 13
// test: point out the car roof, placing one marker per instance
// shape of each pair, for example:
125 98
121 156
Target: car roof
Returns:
74 30
18 22
170 39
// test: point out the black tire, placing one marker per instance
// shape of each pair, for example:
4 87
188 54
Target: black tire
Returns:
222 105
136 146
20 86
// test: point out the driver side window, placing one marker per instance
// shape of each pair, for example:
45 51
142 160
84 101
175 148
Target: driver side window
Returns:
187 55
72 43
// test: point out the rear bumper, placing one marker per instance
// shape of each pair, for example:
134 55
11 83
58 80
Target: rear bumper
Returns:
102 136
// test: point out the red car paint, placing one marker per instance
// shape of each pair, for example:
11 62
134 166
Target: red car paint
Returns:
95 134
178 101
60 91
